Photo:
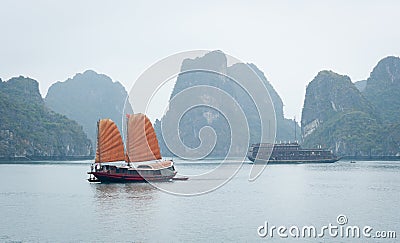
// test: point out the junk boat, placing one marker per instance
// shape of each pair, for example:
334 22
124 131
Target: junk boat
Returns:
142 160
288 153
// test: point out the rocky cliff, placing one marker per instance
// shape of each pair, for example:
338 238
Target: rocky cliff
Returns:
383 89
328 95
195 119
350 120
88 97
29 128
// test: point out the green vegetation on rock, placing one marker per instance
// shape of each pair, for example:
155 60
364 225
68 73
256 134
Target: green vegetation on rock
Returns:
336 115
383 89
29 128
88 97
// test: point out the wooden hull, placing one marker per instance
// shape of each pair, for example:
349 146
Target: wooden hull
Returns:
160 171
114 177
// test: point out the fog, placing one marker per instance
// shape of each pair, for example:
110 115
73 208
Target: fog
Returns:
290 41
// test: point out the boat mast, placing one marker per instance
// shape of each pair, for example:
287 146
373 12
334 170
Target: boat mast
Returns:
98 139
295 134
127 139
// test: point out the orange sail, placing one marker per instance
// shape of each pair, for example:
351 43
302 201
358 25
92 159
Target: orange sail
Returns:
110 147
141 143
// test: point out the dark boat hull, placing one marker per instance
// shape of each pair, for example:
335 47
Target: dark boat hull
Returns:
113 177
288 153
262 161
160 171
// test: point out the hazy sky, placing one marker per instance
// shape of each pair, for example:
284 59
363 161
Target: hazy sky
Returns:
290 41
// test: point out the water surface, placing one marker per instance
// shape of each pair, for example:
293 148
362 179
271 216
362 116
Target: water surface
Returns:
53 202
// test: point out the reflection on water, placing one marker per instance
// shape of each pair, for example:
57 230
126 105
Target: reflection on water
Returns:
104 192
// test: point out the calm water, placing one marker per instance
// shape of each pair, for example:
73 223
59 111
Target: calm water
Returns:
53 202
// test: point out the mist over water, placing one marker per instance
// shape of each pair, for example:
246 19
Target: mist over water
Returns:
54 202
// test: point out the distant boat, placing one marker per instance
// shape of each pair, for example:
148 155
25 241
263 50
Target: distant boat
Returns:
288 153
142 157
